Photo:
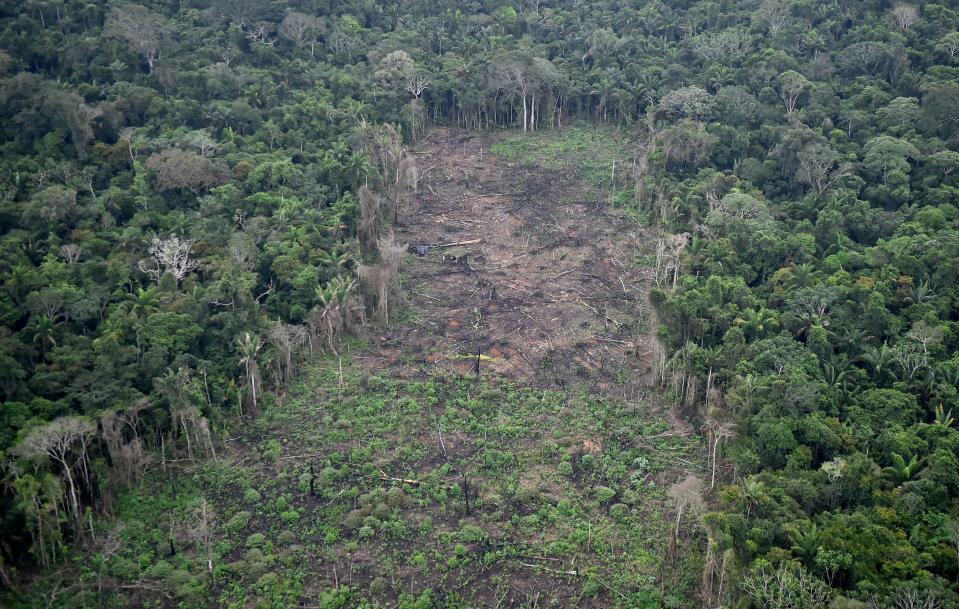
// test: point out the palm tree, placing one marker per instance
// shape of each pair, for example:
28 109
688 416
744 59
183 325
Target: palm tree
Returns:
339 258
249 346
902 471
880 360
746 387
178 223
711 357
300 235
143 302
851 337
804 275
43 331
754 491
606 91
756 324
19 280
923 384
358 168
836 374
922 293
805 543
331 297
943 418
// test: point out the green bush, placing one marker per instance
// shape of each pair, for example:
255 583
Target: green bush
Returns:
238 522
604 494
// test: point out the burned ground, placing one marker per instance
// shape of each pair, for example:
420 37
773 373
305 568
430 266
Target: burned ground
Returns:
550 294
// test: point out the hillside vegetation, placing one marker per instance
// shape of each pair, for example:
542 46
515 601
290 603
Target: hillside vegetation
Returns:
721 282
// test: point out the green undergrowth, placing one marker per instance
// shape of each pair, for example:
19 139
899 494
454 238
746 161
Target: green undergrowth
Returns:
504 483
586 151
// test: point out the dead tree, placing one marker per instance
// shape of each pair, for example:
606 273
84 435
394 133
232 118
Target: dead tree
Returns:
171 256
372 222
382 279
717 431
688 497
407 177
288 338
142 29
120 431
668 251
339 311
71 252
65 441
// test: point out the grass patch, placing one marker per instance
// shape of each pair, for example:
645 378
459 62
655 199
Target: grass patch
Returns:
586 151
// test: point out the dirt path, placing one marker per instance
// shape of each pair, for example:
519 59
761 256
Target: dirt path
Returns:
550 295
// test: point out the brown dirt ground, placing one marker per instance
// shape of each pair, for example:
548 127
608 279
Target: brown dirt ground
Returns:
550 296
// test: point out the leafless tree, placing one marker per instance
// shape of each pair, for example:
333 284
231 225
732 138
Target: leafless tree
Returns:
178 168
718 431
912 354
906 15
288 337
227 52
669 248
261 32
65 441
418 82
301 29
243 251
141 28
203 532
792 84
372 221
120 430
381 280
687 495
776 15
171 255
342 43
727 47
788 587
71 252
817 167
407 177
908 599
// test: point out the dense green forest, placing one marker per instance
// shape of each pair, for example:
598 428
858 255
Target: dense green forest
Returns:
195 198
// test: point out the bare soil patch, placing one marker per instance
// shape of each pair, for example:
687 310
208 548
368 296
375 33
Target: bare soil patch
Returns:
549 296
